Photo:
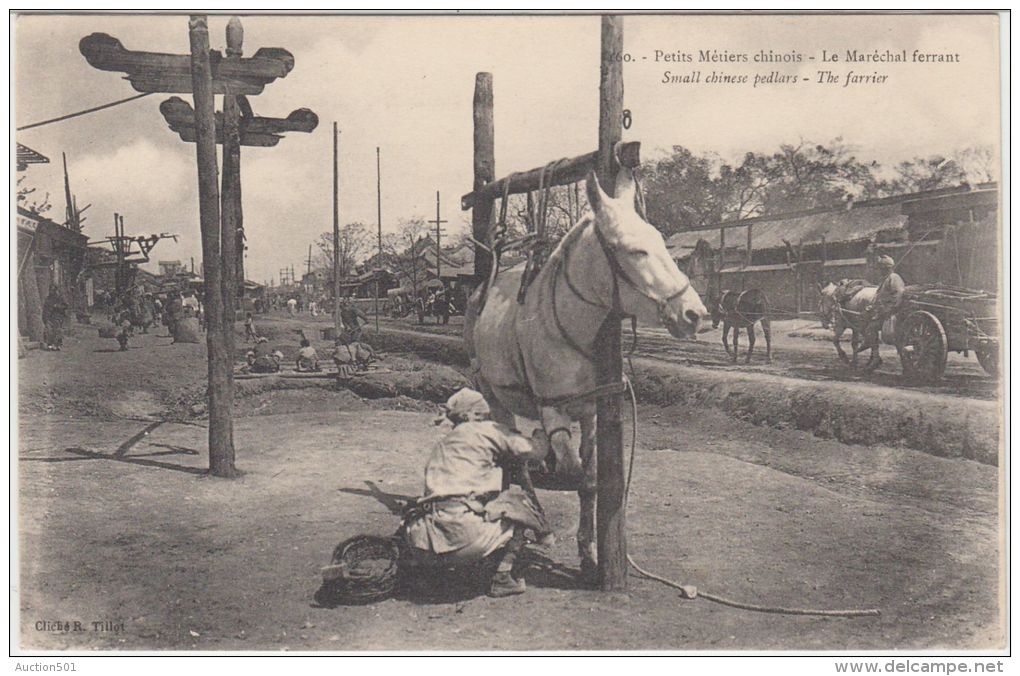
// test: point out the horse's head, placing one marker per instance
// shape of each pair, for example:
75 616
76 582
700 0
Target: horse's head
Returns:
649 284
827 302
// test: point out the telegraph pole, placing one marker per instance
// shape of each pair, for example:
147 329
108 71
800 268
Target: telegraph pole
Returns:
439 233
378 206
336 232
221 423
204 74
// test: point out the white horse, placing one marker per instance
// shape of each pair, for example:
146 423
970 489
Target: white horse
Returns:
842 304
535 359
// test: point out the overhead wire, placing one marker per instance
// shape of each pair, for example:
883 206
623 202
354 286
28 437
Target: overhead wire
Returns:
82 112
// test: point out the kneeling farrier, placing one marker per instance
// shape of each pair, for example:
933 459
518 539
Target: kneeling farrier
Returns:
464 515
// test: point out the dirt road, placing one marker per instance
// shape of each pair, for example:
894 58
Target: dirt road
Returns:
135 537
801 349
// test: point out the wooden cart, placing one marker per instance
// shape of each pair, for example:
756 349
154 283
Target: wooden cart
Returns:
935 320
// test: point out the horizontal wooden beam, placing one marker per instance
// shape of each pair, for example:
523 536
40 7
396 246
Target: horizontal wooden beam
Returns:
171 73
256 140
255 131
566 171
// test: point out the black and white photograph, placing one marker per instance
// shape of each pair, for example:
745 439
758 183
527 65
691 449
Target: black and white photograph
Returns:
529 333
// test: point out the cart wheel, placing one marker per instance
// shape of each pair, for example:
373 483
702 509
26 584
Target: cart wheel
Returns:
923 347
988 357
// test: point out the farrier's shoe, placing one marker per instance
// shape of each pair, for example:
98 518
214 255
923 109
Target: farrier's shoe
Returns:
503 584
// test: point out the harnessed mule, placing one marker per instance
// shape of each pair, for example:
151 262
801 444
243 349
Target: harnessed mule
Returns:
843 303
742 310
535 358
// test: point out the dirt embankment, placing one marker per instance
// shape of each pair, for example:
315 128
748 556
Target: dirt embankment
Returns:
856 413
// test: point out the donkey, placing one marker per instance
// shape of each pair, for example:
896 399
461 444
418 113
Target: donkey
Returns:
742 310
536 360
842 304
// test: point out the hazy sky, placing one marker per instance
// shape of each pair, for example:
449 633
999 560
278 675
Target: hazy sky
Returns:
405 84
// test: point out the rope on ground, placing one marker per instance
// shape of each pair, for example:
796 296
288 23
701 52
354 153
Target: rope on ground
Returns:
691 592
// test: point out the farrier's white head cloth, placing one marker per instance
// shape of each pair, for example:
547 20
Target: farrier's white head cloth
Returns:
464 402
886 261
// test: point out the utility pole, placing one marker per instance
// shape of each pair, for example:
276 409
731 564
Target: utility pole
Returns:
439 233
378 206
221 423
336 231
205 74
308 271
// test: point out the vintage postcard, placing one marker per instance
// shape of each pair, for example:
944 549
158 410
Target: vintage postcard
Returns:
510 332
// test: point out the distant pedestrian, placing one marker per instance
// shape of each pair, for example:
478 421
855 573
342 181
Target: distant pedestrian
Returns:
350 318
307 358
250 334
265 359
292 306
54 315
126 331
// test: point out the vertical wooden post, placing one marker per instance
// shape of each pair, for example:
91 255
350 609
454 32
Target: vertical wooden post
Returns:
749 226
722 248
221 450
336 232
485 172
378 206
230 208
439 248
612 537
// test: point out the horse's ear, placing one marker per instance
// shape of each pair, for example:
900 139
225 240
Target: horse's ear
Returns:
595 193
625 186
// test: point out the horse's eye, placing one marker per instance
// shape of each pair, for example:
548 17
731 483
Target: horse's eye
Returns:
638 252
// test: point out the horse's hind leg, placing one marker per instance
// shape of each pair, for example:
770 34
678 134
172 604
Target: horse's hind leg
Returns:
766 329
587 493
750 342
725 337
557 427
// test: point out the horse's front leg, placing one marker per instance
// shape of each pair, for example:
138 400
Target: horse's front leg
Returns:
837 340
750 342
725 337
855 345
497 412
736 343
586 546
766 329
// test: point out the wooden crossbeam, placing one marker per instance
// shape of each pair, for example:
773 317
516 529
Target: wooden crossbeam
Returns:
255 131
171 73
568 171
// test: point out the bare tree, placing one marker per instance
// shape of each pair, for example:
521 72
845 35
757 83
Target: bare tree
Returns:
354 243
26 201
404 248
